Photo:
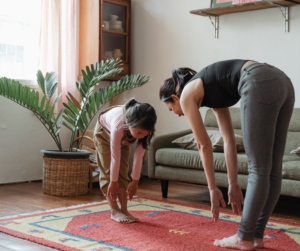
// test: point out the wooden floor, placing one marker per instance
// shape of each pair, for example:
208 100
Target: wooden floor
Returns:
28 197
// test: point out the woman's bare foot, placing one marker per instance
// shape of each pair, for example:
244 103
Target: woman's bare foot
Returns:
131 217
258 242
234 242
118 216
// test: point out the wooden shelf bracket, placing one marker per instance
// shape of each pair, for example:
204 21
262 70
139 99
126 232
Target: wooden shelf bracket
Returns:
216 12
215 24
285 13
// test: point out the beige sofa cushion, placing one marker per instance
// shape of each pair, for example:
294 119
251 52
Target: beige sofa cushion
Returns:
191 159
189 142
177 157
291 170
293 136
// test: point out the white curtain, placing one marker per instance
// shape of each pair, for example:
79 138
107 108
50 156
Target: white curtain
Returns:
58 44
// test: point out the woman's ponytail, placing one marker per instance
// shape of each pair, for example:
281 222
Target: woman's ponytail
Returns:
175 84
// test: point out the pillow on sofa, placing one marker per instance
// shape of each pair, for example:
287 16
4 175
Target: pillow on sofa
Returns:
189 142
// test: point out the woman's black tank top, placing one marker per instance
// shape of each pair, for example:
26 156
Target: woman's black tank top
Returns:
220 82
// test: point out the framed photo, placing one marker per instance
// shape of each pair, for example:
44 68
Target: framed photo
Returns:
221 3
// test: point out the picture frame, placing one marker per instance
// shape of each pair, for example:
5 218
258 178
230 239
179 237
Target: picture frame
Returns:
222 3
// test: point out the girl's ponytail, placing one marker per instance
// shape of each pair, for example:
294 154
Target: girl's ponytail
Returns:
131 102
141 115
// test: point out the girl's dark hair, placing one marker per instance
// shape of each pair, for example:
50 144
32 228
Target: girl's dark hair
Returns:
143 116
175 84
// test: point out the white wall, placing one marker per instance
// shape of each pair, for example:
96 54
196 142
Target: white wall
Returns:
22 137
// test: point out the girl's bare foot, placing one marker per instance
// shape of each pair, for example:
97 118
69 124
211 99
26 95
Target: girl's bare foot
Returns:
234 242
118 216
258 242
131 217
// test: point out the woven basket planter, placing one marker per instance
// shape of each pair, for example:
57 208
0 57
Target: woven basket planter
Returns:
66 174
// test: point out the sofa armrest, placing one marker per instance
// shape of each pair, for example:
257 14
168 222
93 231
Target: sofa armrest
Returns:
163 141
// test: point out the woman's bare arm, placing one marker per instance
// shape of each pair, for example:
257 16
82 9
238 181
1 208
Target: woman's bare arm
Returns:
225 125
190 101
227 132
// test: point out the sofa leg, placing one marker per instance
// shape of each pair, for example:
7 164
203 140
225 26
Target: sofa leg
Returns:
164 188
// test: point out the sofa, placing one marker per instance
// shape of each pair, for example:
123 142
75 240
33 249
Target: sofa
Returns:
168 161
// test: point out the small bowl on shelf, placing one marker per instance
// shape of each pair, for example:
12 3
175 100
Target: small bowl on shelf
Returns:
115 25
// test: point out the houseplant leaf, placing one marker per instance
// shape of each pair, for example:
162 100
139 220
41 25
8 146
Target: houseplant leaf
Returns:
52 90
73 107
36 101
41 81
68 127
75 102
84 119
59 114
82 95
98 99
83 85
70 114
57 131
42 104
69 120
50 81
80 125
53 107
29 99
46 108
86 78
69 108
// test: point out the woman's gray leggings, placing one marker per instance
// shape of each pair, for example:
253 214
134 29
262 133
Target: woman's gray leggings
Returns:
267 101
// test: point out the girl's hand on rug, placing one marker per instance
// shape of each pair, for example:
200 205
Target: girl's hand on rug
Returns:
235 197
216 197
132 187
113 190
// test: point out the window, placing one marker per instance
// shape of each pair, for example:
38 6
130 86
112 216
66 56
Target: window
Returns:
19 38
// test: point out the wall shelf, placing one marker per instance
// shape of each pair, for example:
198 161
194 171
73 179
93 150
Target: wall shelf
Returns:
115 32
237 8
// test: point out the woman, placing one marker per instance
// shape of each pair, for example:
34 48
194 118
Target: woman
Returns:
267 100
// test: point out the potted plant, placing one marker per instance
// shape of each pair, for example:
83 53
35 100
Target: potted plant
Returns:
65 172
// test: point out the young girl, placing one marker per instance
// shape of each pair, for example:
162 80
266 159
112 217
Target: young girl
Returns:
117 128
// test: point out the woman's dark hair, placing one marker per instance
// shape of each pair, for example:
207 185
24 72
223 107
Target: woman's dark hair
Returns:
143 116
175 84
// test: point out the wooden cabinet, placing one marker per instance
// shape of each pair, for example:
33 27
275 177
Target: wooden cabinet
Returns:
104 33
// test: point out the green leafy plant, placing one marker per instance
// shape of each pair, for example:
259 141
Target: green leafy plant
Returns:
76 115
79 115
29 98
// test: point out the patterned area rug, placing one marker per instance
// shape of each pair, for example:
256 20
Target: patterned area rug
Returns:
163 226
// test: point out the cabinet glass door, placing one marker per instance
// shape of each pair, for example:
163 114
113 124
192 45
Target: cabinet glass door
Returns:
114 28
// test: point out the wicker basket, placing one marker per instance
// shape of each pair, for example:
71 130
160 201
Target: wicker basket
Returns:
65 177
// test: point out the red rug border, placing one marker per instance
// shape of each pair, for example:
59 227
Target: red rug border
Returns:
58 246
58 211
38 240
